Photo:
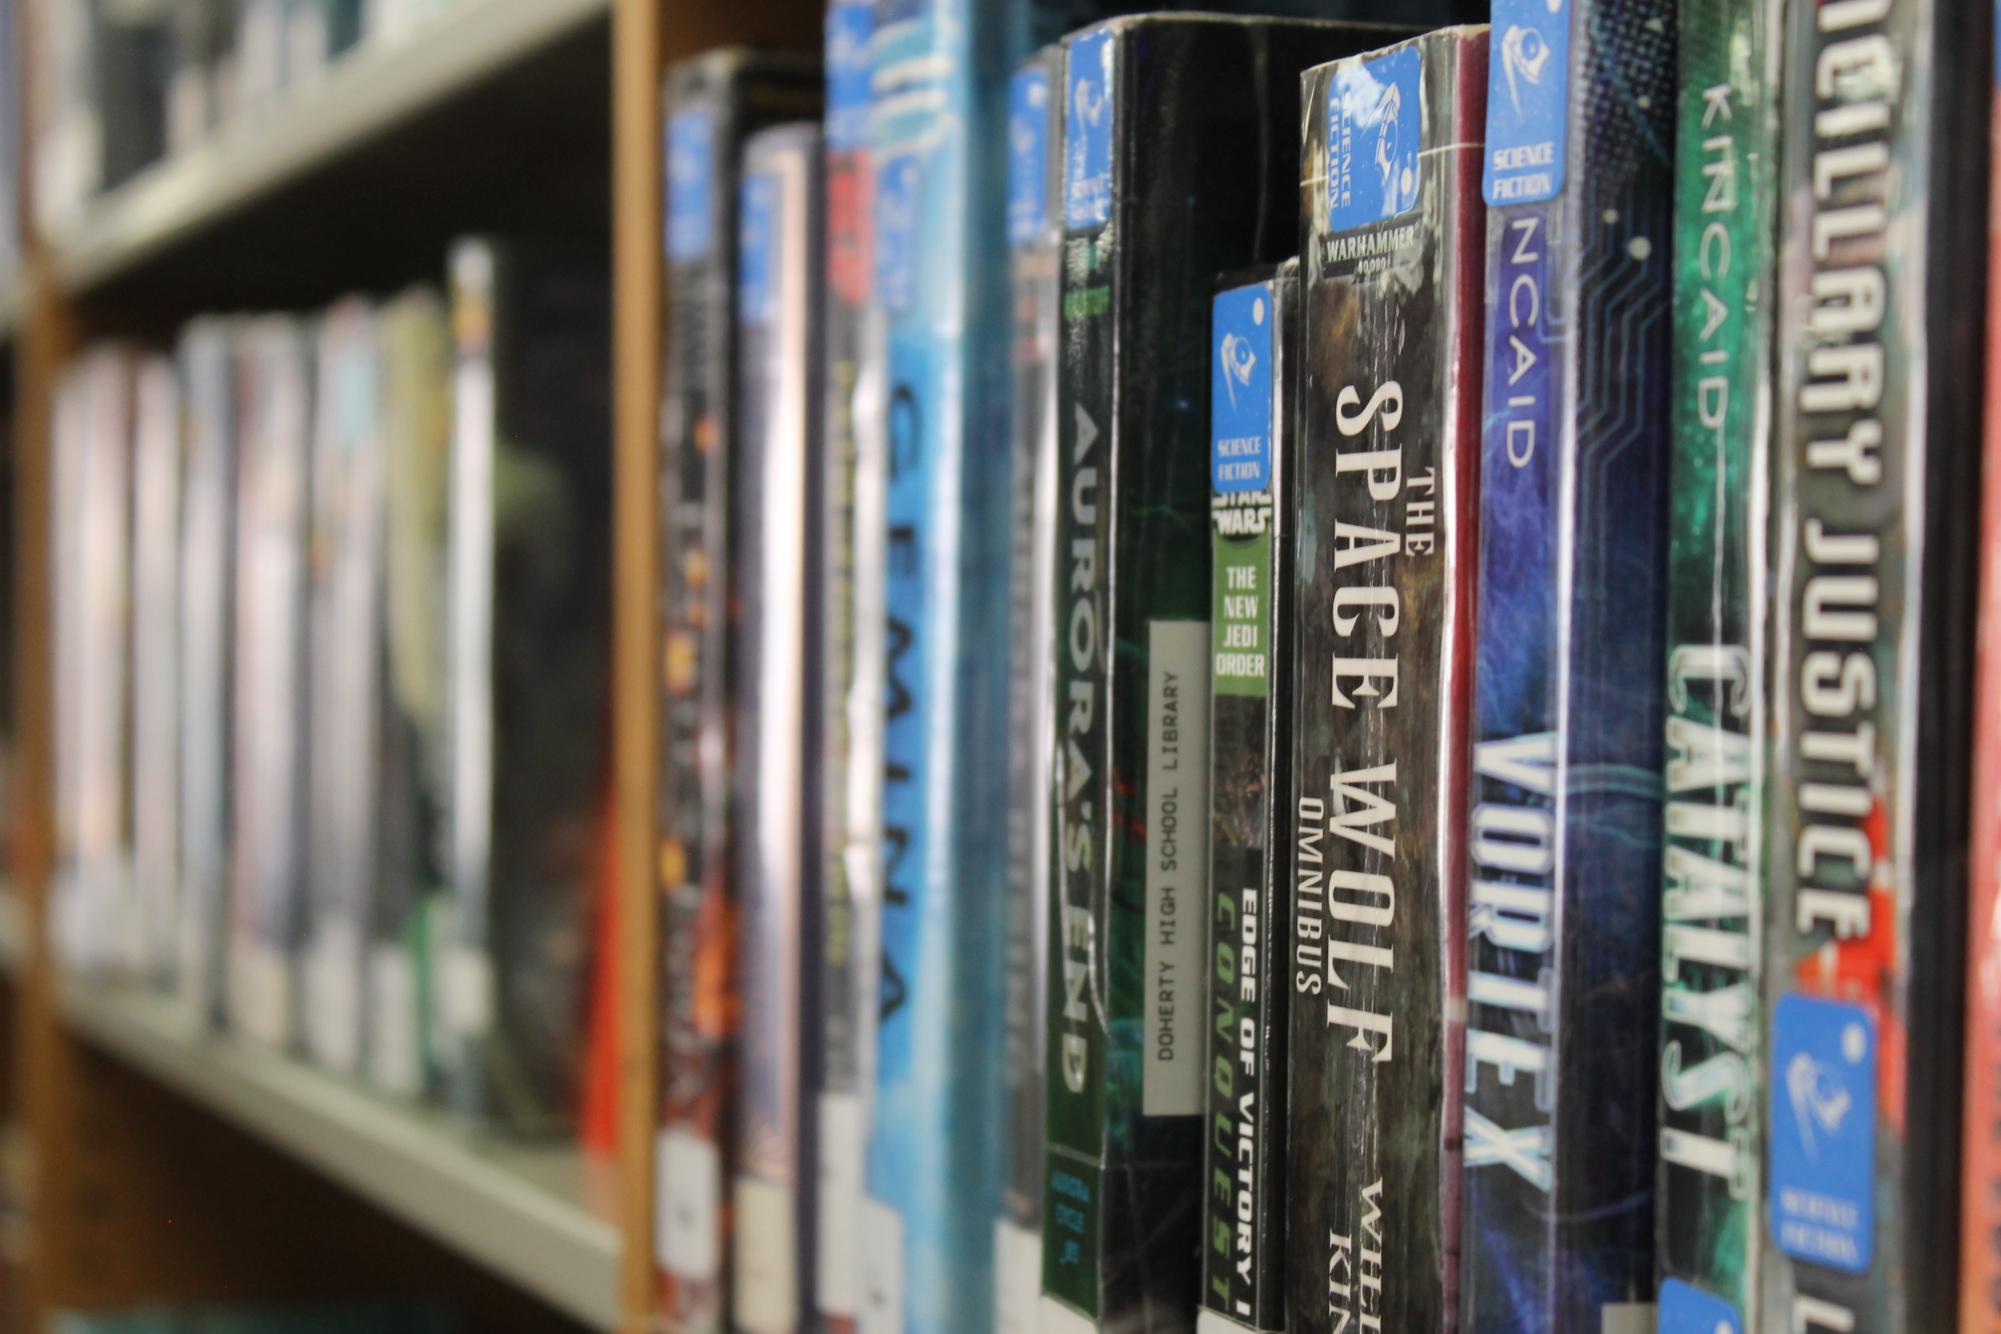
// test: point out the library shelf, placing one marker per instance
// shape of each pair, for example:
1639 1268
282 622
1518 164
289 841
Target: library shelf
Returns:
352 112
517 1209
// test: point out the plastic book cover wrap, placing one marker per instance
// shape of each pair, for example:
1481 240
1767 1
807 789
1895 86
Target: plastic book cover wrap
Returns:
778 726
94 927
1180 148
1873 535
1388 459
1709 1234
1035 251
156 546
268 911
529 599
1980 1191
710 104
1564 906
415 760
1254 368
855 473
207 571
344 716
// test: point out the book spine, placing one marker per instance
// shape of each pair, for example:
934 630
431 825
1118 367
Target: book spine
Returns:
1712 849
1563 907
208 610
936 1141
777 726
1082 1012
156 539
1388 451
1880 279
852 654
1980 1198
699 1023
1034 253
1254 342
270 792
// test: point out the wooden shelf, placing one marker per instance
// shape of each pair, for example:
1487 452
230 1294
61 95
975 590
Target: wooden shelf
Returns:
13 933
366 100
517 1209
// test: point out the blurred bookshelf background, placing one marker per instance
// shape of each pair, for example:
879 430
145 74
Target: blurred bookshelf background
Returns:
230 226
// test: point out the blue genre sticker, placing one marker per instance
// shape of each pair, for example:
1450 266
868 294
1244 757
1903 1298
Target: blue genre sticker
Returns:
1824 1132
758 232
1087 132
691 160
1687 1310
1240 389
1528 80
1374 127
1027 155
849 24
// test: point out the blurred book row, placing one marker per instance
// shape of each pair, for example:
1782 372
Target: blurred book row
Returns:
123 83
330 608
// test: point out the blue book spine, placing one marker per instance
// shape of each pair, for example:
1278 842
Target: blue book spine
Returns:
935 1156
1563 907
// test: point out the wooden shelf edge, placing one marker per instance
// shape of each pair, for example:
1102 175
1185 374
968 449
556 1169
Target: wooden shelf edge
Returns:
363 94
514 1209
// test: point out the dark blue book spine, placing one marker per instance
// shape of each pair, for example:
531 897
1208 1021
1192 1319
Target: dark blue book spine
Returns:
1563 908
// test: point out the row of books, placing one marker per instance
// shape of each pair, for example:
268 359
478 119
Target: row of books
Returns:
120 85
331 602
1326 678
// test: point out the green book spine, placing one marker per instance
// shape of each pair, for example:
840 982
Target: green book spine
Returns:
1711 1067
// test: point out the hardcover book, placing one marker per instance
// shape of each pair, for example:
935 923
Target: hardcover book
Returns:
1388 458
268 913
1563 907
1254 374
530 617
207 568
1180 139
854 472
1980 1192
1035 252
778 725
711 104
1873 526
1711 1055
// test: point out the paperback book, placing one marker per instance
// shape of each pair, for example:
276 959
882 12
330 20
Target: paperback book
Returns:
1035 252
345 582
207 571
1388 456
711 104
1215 103
1254 374
778 725
530 622
404 939
1563 909
854 470
268 910
1980 1193
1881 272
155 584
1711 1061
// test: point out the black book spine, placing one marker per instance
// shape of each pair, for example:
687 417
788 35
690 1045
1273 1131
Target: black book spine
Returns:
1255 342
1388 456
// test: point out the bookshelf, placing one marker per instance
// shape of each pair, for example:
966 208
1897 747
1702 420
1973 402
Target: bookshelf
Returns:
167 1165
